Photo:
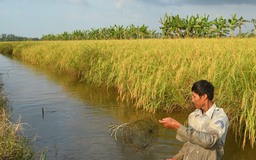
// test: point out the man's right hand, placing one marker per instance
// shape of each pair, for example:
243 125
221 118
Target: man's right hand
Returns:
170 123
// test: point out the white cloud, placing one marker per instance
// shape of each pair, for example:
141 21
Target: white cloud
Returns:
83 2
119 4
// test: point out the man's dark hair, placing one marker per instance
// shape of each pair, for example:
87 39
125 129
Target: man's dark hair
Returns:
202 87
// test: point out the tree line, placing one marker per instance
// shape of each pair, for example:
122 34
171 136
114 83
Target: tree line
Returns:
202 26
172 26
12 37
112 32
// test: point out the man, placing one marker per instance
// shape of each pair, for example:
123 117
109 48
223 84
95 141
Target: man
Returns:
207 127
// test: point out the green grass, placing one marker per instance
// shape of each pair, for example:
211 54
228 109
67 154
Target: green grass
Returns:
157 74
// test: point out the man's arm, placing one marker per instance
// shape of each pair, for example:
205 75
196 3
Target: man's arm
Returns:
205 139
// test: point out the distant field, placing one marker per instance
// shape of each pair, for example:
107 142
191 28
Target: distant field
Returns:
158 74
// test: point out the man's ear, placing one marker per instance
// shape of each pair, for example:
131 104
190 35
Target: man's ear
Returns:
204 97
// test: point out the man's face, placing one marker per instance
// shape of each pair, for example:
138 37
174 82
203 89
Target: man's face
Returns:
197 100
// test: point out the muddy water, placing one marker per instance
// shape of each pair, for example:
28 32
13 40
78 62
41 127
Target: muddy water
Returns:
76 117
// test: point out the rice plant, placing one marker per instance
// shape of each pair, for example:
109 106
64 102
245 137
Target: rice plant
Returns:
13 145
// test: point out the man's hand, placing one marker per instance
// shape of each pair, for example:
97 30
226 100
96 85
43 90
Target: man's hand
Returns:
170 123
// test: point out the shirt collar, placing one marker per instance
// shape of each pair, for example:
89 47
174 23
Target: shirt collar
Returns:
209 113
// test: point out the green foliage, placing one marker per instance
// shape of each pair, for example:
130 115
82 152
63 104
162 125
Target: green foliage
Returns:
253 21
220 27
233 24
113 32
200 26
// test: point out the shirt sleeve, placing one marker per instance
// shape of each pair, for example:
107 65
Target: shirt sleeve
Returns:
204 139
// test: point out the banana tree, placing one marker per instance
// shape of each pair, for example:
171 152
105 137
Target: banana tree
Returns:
104 33
167 27
132 31
65 36
49 37
179 25
117 31
241 22
207 26
189 24
253 21
202 26
233 24
94 34
143 30
221 27
77 35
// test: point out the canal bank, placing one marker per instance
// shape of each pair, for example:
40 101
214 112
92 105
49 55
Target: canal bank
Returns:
13 143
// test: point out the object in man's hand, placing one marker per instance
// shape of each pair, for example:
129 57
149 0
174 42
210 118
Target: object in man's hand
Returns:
140 134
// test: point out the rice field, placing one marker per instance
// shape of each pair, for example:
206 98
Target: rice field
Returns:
157 75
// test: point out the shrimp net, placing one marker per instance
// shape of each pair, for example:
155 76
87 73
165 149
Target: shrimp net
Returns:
140 134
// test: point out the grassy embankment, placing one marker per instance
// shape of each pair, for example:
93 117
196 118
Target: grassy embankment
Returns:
158 74
13 145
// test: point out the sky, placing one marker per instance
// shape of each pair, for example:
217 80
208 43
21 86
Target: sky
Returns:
35 18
